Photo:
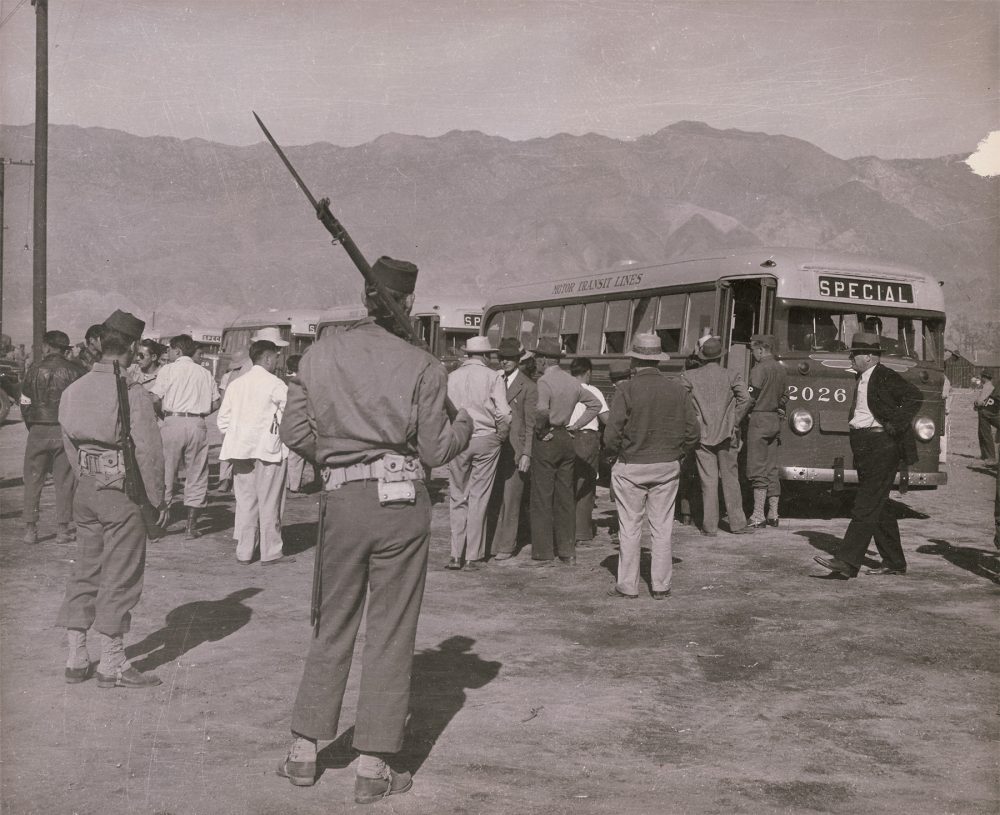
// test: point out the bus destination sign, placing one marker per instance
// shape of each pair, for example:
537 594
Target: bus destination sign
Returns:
876 291
598 284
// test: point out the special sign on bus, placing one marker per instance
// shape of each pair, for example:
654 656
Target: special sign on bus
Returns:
873 290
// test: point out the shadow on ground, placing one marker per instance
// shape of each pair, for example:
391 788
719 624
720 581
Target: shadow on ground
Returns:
441 676
190 625
299 537
979 562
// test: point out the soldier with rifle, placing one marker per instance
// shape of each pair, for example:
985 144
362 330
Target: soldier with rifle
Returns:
370 409
115 450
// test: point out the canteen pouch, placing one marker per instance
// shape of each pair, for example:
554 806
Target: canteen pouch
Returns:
395 485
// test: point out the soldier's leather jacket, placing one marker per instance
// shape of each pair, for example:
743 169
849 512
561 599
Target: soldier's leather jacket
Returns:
44 383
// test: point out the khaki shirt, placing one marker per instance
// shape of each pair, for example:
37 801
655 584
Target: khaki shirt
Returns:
88 414
362 393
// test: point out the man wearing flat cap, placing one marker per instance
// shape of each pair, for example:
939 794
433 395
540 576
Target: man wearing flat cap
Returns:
881 433
553 506
651 428
768 390
43 387
369 409
480 390
107 577
515 452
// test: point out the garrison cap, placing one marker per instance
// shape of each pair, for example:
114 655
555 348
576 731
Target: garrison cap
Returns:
398 275
56 339
865 343
619 369
125 323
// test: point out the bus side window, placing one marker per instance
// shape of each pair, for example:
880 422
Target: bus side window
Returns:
494 328
701 307
529 327
551 318
593 323
615 327
670 321
643 316
570 334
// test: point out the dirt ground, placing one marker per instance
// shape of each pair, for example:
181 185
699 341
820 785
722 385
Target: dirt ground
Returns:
756 688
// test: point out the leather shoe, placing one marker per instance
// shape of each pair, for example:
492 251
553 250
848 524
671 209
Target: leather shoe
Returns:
568 561
300 773
280 559
660 595
836 565
453 564
614 592
886 570
475 565
757 524
77 675
503 556
129 678
773 521
743 530
370 790
243 562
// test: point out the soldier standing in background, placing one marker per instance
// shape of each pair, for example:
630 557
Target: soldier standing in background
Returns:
370 409
768 391
41 391
987 405
106 583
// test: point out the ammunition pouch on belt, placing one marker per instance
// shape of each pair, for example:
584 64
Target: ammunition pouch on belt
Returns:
395 475
107 468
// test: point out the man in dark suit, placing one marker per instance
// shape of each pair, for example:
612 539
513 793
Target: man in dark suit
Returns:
515 454
881 437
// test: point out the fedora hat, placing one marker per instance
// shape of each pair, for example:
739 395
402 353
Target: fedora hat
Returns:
710 349
865 343
510 348
648 347
548 347
271 334
478 345
619 369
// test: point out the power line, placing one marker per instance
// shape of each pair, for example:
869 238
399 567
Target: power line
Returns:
11 13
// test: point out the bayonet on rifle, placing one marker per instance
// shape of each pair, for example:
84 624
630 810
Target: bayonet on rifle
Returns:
403 326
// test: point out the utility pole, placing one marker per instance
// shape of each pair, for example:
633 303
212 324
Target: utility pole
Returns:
3 165
39 289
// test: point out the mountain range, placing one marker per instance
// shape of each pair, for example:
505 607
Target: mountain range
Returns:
199 232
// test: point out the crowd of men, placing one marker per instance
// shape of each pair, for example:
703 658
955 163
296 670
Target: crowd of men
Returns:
372 414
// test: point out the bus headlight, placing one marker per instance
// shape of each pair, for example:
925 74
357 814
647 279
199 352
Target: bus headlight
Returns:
801 421
924 428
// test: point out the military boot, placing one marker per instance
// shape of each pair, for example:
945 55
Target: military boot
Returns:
192 524
772 510
757 520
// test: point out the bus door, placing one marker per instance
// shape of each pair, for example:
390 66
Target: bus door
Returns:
747 308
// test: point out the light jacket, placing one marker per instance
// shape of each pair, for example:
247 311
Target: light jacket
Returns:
250 415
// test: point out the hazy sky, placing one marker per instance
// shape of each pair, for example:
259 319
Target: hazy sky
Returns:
896 79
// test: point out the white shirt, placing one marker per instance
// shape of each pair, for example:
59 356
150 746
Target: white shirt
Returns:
578 411
509 378
185 387
251 409
862 415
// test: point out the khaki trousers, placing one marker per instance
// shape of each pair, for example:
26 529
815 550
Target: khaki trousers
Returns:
185 444
259 487
471 474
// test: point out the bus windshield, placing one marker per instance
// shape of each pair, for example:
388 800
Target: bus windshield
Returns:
824 329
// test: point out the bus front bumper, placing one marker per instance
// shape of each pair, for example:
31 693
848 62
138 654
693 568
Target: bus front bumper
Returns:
917 479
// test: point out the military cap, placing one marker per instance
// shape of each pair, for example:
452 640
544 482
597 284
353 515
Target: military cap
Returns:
766 340
865 343
648 347
619 369
711 349
56 339
548 347
398 275
125 323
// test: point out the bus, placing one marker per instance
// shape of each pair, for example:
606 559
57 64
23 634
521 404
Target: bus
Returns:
810 300
338 318
444 324
297 327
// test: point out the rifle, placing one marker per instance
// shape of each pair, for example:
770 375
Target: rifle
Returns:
134 488
404 328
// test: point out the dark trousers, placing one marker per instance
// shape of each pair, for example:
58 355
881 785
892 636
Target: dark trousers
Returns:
876 458
587 448
43 453
106 582
553 514
510 482
378 552
988 426
763 438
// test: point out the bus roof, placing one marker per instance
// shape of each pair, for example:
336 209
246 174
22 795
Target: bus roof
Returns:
342 314
455 312
798 271
301 321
